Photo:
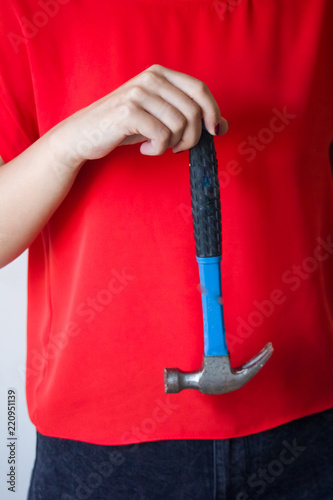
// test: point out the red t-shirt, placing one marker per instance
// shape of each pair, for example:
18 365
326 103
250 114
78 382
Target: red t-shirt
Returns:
113 280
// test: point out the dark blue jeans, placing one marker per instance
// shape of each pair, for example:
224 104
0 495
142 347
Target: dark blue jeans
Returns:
291 462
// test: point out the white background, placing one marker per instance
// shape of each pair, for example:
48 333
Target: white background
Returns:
13 306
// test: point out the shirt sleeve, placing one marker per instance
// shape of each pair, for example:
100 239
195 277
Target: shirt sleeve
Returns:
18 117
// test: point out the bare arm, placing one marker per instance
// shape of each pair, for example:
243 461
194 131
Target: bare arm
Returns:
32 186
159 107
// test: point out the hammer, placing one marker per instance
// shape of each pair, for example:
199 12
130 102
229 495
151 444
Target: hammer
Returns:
215 376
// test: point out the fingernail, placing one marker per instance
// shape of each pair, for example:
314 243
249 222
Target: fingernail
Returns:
222 127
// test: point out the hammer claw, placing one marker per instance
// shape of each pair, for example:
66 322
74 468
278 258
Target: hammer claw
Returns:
216 376
259 360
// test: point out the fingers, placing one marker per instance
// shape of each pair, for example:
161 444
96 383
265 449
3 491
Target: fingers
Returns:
160 106
181 114
199 92
178 102
145 124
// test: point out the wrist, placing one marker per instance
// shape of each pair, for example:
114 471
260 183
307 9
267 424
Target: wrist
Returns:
61 144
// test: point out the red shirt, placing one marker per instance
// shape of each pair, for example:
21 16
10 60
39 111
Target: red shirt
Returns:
113 280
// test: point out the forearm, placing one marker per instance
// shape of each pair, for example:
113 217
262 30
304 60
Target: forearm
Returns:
32 186
159 106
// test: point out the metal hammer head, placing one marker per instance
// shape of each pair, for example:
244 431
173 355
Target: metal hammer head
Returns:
215 376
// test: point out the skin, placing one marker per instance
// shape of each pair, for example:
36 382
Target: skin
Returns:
159 108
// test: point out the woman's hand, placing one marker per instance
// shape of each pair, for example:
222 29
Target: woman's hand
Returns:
159 107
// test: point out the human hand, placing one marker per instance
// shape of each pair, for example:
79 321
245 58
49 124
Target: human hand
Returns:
159 107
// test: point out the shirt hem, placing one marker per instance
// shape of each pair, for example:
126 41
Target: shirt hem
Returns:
169 436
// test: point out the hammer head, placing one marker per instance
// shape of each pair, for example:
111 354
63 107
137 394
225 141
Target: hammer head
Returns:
215 376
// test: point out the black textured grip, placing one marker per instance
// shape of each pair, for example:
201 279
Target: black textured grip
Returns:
205 197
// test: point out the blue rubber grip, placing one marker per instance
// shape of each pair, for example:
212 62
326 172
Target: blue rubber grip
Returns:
212 308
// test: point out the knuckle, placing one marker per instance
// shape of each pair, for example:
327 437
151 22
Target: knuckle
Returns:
155 67
192 137
136 93
179 120
126 110
162 139
150 79
194 111
201 87
163 134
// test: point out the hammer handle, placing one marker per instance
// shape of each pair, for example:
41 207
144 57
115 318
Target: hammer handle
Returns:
205 197
206 214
